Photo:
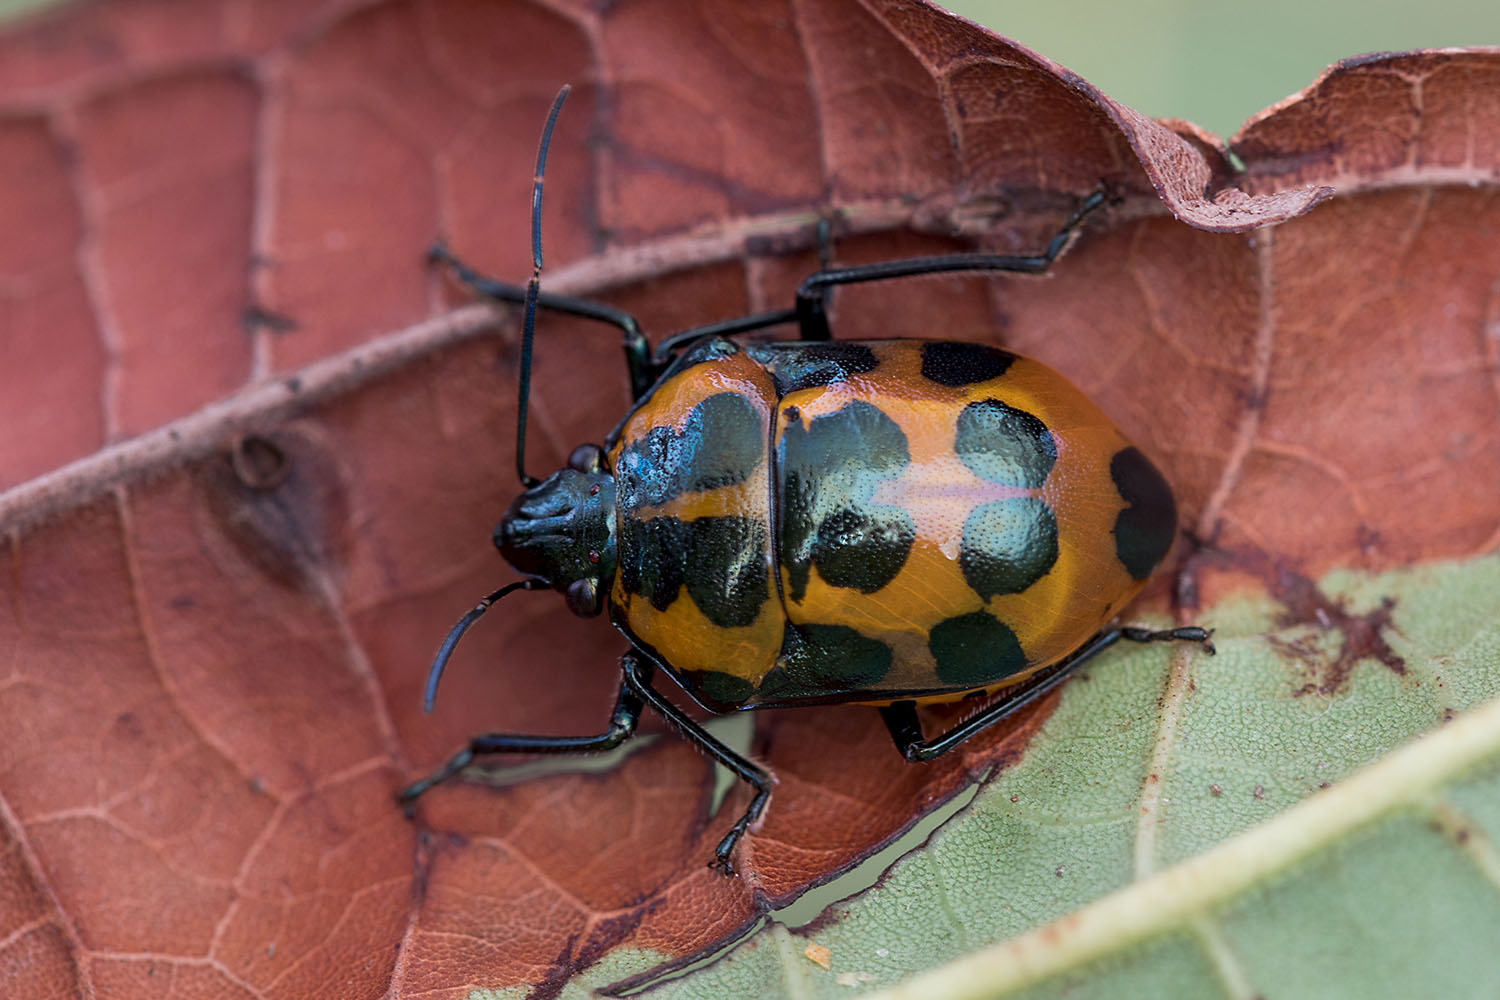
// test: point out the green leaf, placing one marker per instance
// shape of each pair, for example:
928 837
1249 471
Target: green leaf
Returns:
1198 826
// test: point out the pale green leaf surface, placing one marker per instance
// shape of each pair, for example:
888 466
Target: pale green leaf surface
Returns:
1388 884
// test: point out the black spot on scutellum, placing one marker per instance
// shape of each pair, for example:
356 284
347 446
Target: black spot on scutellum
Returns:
718 689
1005 445
975 649
1008 544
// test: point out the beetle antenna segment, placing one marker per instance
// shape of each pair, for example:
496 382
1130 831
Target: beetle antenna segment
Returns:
533 287
449 644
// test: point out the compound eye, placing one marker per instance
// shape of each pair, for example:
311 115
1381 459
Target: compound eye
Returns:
587 458
582 597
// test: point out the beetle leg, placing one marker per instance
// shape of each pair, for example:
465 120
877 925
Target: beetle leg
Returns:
668 349
638 678
622 723
812 295
637 349
906 731
811 314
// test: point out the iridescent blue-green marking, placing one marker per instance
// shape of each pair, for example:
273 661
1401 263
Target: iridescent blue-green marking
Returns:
721 561
956 363
726 569
720 444
806 366
974 650
829 471
1144 530
1008 545
1005 445
701 352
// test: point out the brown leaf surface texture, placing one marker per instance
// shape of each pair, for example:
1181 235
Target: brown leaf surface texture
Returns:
288 443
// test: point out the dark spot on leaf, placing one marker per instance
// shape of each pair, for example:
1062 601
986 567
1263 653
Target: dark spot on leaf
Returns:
279 499
1363 634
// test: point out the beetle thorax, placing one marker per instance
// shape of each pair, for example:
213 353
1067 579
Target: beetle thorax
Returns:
562 531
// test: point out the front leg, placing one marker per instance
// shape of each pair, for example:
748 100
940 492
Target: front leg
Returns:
622 723
638 678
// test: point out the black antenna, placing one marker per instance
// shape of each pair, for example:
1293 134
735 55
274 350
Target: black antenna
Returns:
445 651
528 330
533 288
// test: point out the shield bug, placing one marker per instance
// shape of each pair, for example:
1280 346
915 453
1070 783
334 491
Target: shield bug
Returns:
776 524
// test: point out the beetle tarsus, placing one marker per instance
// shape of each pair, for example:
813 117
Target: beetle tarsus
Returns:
1187 633
417 789
1065 234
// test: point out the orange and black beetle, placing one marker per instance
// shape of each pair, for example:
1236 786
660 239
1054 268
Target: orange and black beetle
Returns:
884 522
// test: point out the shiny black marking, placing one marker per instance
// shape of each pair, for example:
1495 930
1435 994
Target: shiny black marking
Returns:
829 471
722 560
804 366
650 553
1008 545
1005 445
703 351
956 363
974 650
721 689
1145 528
720 444
863 550
726 569
821 660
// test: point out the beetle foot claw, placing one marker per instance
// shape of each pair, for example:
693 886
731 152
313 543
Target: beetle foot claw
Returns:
1193 633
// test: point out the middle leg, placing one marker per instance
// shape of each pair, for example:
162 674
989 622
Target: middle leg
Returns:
638 677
